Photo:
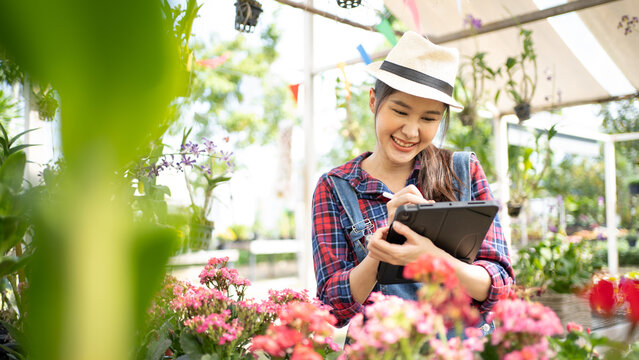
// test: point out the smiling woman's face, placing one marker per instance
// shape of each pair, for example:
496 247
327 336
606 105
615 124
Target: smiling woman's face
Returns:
405 125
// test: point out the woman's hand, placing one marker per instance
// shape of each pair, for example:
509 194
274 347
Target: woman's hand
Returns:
415 245
408 195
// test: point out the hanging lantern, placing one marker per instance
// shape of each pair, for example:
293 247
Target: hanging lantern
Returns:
246 14
348 4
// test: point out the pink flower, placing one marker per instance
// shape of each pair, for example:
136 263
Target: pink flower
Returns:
571 326
303 352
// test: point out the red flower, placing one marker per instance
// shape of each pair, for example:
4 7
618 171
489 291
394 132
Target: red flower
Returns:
602 297
631 294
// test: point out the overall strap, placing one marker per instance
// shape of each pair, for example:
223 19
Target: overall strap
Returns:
348 198
461 166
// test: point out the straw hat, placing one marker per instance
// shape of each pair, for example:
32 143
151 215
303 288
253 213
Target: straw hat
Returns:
418 67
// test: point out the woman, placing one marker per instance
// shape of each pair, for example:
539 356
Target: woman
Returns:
411 102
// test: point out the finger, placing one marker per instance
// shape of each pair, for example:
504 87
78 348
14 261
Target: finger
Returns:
410 189
402 229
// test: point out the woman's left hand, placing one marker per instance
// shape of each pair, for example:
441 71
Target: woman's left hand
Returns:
415 245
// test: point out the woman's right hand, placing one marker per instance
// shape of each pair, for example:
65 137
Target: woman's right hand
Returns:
408 195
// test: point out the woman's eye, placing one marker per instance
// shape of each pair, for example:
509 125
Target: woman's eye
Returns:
399 112
428 119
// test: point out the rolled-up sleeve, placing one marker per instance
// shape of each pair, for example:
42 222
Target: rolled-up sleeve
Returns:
493 254
332 256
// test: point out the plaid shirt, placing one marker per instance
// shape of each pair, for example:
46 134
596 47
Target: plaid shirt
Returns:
334 256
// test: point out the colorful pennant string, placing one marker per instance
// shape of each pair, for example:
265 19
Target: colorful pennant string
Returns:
364 54
294 90
347 85
215 62
414 11
385 29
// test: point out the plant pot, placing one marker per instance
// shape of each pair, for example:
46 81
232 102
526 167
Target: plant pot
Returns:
246 14
468 115
514 209
201 237
522 111
632 240
633 187
348 4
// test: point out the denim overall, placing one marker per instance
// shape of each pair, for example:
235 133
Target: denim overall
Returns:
408 291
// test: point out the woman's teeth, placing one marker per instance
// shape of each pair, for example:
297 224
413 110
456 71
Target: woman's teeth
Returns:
402 143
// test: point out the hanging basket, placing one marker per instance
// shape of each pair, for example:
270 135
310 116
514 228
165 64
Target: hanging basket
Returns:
348 4
514 209
522 111
633 188
201 237
246 14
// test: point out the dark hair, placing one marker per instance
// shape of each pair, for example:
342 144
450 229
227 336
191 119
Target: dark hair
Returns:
436 172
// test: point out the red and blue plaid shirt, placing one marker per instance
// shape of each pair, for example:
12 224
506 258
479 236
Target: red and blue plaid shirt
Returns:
334 257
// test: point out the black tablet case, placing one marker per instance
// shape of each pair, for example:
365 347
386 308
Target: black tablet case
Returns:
459 228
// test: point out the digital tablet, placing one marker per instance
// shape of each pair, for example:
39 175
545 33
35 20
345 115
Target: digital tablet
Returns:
456 227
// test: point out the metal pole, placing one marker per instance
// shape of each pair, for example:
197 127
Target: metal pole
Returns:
611 206
501 161
306 266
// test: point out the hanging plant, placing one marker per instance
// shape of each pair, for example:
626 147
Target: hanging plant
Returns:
246 14
521 83
348 4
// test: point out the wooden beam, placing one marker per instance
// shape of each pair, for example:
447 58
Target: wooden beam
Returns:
325 14
459 35
519 20
578 102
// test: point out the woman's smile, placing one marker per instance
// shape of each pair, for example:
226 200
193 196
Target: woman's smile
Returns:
403 145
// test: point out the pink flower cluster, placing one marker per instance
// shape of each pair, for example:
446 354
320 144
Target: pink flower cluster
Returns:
304 329
216 274
215 326
397 326
522 328
442 290
288 295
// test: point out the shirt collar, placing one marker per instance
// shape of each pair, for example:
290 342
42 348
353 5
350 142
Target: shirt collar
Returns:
361 181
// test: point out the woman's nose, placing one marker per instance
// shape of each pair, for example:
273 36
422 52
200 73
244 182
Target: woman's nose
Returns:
410 130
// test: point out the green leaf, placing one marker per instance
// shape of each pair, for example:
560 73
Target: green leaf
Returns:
156 349
152 247
333 355
191 345
19 148
11 264
210 357
20 134
12 171
12 231
16 334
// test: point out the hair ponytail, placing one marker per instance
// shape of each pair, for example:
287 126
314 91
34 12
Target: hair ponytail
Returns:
436 174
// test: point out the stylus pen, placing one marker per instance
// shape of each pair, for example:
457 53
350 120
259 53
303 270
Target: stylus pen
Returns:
387 195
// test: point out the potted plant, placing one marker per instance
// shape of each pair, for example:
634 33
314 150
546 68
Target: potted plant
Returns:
554 271
246 14
470 85
213 171
521 84
527 167
633 187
